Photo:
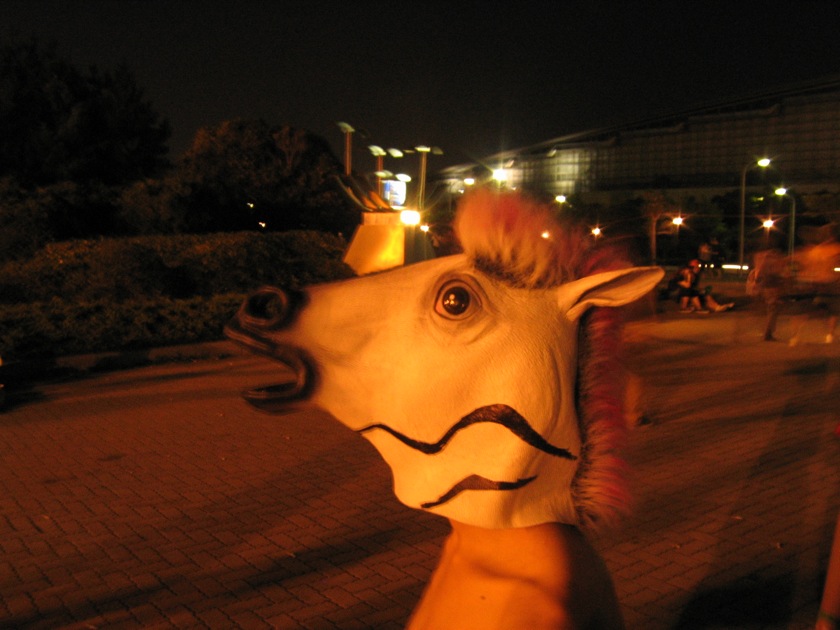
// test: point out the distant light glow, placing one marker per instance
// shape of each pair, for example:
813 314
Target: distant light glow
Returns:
781 191
677 220
560 199
469 181
424 228
262 224
546 234
500 175
768 223
596 231
410 217
764 162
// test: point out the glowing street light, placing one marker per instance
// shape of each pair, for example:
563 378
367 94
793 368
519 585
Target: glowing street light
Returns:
763 163
783 192
678 221
560 199
410 217
767 224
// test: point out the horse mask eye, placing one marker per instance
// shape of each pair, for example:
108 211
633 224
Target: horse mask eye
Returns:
454 301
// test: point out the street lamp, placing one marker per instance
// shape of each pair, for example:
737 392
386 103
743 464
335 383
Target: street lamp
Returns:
763 163
379 153
767 224
347 130
782 192
424 151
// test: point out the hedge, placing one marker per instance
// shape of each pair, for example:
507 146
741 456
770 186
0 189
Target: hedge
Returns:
57 327
172 266
142 292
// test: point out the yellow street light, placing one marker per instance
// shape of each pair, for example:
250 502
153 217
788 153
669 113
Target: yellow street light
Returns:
410 217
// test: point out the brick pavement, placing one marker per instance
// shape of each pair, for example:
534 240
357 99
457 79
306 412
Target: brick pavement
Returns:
155 498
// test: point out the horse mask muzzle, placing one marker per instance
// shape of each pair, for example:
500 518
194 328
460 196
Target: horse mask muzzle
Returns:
266 311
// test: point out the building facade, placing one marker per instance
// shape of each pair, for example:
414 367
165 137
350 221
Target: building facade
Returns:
701 153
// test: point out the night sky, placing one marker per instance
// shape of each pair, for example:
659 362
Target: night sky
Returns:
473 78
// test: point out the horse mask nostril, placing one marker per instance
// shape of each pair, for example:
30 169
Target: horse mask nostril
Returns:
269 308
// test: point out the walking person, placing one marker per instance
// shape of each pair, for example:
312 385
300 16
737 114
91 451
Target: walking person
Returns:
770 277
816 277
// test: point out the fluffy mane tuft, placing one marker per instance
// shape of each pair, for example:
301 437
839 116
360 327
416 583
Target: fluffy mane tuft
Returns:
514 239
503 233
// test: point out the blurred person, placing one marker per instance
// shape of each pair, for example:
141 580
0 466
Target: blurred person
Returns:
828 617
771 275
817 279
692 299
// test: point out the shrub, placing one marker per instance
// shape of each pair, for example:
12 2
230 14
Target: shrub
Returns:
172 266
140 292
57 327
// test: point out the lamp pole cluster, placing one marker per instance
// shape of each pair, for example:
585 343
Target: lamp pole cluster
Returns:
379 153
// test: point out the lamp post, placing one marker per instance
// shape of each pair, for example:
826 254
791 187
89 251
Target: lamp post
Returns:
763 163
379 153
783 192
347 130
424 151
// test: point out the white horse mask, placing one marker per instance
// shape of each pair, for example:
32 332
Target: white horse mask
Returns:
462 370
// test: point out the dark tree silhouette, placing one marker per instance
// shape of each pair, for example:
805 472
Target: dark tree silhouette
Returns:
58 123
245 175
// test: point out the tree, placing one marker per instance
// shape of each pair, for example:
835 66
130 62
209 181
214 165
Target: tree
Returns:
247 175
59 124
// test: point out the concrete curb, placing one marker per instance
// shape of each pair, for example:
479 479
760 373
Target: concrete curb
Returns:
21 372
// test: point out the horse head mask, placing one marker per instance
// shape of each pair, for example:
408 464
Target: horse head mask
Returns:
464 372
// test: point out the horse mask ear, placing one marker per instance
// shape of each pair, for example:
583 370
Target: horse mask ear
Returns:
610 288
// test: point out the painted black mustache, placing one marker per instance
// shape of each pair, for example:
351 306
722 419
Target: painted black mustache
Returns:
498 414
476 482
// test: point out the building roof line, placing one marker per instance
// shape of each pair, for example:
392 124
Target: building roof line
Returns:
762 100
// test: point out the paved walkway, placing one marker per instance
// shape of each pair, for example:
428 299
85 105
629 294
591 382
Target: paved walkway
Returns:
155 498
